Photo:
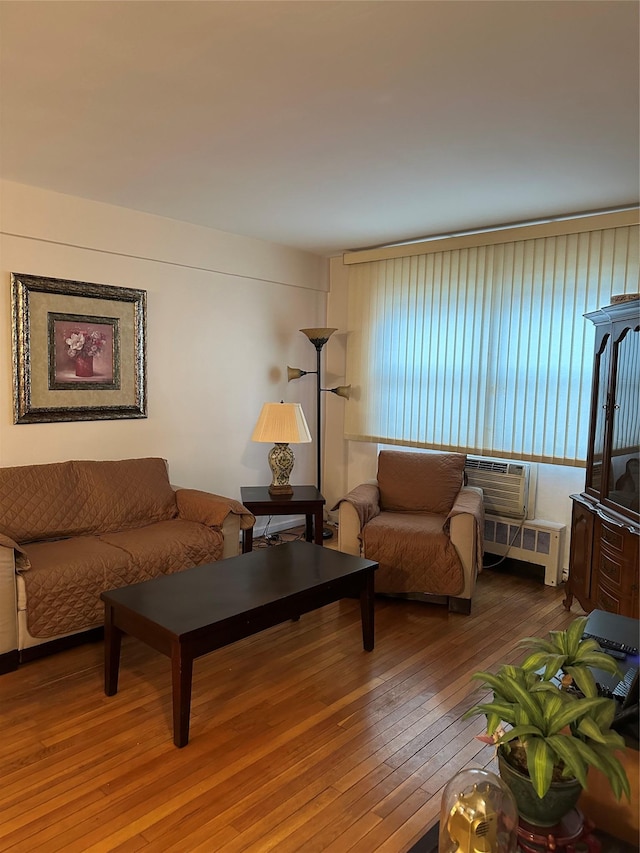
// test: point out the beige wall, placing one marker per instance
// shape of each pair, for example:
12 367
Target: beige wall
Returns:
223 314
223 320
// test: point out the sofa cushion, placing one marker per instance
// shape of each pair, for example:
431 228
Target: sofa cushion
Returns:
419 482
64 583
61 499
162 549
39 501
66 577
125 494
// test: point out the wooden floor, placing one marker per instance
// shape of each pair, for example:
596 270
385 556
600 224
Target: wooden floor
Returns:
300 740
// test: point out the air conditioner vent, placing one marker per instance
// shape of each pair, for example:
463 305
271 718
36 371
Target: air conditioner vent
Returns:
505 485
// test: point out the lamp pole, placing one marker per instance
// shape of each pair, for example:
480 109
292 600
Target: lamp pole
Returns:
319 416
318 338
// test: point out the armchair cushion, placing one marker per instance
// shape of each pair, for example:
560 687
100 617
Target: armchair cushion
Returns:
414 554
419 482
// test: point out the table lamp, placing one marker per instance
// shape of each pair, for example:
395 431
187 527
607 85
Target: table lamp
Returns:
281 424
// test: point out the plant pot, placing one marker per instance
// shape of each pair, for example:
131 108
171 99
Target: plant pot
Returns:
546 811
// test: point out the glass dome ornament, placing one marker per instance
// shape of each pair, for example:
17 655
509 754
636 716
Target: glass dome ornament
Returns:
478 814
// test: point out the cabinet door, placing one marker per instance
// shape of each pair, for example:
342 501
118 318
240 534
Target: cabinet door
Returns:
580 555
599 411
623 483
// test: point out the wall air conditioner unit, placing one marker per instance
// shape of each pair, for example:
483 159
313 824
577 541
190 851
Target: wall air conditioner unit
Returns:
505 485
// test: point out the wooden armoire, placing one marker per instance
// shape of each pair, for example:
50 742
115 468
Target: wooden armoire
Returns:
604 560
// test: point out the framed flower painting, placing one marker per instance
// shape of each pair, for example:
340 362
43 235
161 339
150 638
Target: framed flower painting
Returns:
78 349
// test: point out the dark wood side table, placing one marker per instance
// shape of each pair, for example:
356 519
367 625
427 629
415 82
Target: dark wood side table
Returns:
305 500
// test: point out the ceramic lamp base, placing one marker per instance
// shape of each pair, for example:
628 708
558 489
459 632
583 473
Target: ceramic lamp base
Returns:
280 490
281 461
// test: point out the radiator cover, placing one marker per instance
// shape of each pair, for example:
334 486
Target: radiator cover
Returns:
538 542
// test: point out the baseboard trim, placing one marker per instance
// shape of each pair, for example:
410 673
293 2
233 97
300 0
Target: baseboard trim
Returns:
60 644
9 661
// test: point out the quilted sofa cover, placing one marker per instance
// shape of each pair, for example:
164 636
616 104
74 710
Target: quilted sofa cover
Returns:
78 528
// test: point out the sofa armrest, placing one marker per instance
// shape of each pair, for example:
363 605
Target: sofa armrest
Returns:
354 511
226 514
8 603
231 535
466 528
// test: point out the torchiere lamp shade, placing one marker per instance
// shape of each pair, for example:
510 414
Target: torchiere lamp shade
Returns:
318 337
282 424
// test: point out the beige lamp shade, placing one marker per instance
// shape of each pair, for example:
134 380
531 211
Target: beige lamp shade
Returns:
282 423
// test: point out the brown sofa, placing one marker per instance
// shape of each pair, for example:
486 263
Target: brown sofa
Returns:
70 530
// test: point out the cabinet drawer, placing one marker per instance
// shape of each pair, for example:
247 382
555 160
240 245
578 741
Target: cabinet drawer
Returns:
610 569
613 536
607 599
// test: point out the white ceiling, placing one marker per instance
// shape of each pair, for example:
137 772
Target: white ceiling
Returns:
325 125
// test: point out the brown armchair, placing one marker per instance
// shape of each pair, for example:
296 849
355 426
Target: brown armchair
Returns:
421 524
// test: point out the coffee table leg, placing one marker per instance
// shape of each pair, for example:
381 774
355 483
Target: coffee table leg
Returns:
247 540
112 644
181 675
367 610
318 527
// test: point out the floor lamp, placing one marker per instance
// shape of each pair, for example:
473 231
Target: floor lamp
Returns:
318 338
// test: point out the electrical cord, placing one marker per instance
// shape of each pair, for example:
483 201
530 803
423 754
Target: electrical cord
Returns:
268 540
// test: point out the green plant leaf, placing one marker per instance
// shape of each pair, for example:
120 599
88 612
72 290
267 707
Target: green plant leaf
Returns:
602 759
500 710
589 646
572 711
614 741
527 704
551 663
605 713
536 643
584 680
551 705
614 772
520 732
559 641
564 748
600 660
574 635
540 764
590 729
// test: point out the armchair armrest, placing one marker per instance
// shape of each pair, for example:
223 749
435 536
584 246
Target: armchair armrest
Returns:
466 529
354 511
227 515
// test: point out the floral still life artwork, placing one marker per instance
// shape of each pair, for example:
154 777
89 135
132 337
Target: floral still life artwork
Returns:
79 350
83 351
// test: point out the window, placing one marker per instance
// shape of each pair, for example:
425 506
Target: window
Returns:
483 348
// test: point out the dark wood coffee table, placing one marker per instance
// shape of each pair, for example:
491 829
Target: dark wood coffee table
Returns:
191 613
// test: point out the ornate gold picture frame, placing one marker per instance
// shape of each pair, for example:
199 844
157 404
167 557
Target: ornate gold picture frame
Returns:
79 350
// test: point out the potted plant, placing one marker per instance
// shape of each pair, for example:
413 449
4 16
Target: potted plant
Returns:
558 726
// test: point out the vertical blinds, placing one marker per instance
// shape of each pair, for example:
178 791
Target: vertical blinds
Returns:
484 349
